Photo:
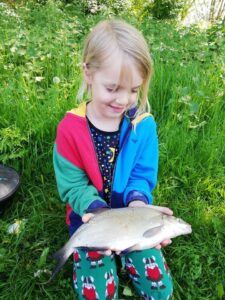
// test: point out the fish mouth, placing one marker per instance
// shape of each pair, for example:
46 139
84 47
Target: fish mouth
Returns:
189 229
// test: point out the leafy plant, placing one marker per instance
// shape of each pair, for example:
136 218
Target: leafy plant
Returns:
13 144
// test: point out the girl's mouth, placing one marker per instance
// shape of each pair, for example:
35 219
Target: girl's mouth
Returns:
118 109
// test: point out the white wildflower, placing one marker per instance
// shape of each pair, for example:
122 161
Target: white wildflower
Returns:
26 75
39 78
194 126
8 67
13 49
41 271
185 99
16 227
179 117
93 10
195 78
7 10
11 13
22 52
3 5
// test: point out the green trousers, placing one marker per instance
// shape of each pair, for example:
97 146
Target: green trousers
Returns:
95 275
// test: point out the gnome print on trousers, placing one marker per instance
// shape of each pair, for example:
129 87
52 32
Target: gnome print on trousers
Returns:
110 286
153 273
88 288
95 258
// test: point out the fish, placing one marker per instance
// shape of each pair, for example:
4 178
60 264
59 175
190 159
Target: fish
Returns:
123 230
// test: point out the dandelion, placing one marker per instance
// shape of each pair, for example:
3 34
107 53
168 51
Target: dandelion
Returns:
56 80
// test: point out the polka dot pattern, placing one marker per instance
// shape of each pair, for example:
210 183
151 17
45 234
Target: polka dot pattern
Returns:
107 149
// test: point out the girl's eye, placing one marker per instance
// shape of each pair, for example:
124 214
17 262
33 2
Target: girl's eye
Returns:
109 90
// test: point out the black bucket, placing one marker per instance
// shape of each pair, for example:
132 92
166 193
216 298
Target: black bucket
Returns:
9 183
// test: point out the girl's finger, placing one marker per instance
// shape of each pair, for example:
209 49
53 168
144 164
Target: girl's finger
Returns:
87 217
106 252
166 242
163 209
158 247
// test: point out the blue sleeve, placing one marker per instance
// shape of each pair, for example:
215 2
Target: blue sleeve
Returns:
143 177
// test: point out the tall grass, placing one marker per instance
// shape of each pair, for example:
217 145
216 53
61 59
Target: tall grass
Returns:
40 75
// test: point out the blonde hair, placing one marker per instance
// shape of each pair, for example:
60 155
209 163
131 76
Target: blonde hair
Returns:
112 35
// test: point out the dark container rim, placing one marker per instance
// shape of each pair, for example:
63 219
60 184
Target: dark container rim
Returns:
5 198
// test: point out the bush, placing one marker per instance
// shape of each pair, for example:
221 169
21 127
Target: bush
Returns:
165 9
100 6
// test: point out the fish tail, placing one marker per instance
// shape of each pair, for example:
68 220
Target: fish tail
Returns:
61 257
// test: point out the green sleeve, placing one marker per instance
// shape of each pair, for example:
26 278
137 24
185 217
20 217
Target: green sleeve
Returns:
73 185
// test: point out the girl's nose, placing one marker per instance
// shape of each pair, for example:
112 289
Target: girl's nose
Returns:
123 99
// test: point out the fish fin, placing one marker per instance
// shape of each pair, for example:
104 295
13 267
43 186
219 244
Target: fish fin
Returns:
90 249
153 231
61 257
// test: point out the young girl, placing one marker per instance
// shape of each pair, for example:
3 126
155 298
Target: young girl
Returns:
106 156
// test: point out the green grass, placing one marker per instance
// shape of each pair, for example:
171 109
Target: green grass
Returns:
40 74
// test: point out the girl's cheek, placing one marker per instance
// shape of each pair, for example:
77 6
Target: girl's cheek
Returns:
134 99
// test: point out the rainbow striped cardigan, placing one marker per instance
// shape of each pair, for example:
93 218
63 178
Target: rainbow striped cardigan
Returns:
77 172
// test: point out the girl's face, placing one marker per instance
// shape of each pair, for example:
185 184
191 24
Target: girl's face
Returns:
114 88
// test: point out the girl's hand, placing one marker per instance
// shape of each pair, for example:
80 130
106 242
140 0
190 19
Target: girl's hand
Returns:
86 218
136 203
165 210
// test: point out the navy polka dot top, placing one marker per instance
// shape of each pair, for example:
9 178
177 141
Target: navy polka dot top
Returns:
107 149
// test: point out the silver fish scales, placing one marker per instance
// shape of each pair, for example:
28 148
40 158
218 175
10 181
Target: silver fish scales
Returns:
123 230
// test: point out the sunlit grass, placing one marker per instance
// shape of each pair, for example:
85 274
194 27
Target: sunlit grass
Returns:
40 75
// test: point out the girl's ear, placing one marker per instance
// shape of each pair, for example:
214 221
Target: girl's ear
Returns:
87 74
